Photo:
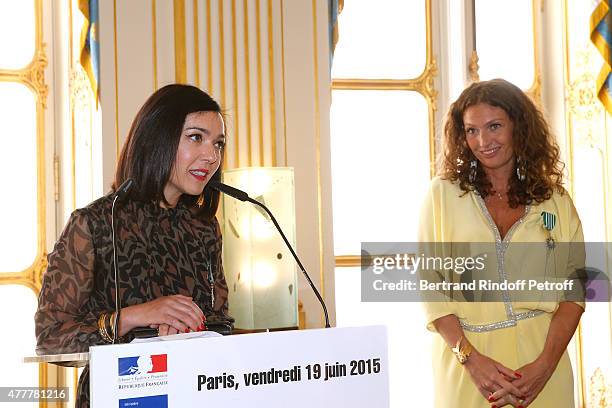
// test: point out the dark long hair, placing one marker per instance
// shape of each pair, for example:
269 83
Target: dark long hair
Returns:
533 144
149 151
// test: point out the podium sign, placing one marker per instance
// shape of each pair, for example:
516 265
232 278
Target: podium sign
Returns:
338 367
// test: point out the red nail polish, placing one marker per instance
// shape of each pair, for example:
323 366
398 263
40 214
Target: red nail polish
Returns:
493 406
518 375
520 406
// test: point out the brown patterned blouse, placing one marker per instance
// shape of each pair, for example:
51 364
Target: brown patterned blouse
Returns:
160 251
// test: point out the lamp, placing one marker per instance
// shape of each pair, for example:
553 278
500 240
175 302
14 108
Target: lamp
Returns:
259 269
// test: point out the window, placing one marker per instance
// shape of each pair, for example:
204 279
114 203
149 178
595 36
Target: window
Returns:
382 139
23 96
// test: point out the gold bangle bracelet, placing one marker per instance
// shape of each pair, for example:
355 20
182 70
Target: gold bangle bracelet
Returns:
102 328
111 324
462 353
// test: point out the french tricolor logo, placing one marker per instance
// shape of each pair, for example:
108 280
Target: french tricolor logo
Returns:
147 364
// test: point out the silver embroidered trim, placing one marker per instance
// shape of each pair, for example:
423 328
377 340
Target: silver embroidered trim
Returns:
500 249
479 328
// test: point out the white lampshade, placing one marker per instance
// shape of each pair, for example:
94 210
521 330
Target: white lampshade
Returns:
259 268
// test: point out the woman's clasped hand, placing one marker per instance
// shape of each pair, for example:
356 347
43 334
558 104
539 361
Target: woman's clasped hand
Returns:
169 314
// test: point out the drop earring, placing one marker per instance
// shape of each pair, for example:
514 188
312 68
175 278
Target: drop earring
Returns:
521 172
473 171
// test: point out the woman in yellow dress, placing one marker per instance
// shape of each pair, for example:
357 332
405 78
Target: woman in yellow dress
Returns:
500 183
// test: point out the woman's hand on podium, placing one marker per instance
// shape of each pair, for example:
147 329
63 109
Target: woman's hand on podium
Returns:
164 329
177 312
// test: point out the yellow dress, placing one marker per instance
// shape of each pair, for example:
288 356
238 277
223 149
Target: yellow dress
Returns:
510 332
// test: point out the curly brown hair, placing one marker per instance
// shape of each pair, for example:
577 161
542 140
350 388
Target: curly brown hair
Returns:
535 150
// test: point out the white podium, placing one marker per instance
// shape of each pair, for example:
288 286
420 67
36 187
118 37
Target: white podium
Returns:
338 367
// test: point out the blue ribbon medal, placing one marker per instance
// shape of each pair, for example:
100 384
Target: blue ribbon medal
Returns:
549 220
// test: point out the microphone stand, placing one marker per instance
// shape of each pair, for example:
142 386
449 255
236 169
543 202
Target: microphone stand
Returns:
243 196
117 304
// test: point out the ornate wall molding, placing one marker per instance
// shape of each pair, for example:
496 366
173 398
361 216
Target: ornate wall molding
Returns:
601 390
33 76
473 67
581 96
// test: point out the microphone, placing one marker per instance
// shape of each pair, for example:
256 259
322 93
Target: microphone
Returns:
231 191
119 196
243 196
124 189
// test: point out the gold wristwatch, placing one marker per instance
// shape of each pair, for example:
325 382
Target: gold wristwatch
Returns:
462 353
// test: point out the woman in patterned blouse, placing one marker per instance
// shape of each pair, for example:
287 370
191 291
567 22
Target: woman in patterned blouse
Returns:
168 239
